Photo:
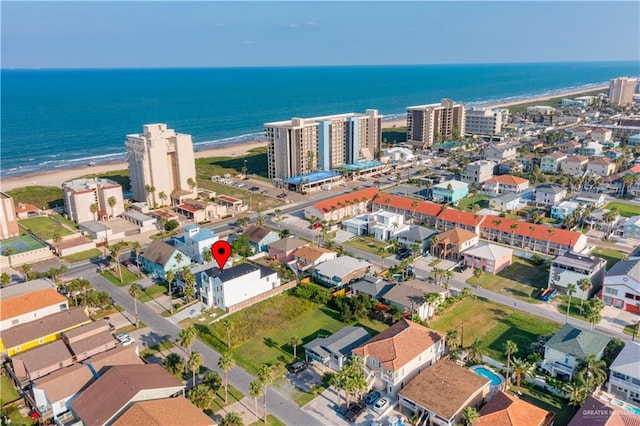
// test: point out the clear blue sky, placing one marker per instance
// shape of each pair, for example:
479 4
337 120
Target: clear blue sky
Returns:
212 34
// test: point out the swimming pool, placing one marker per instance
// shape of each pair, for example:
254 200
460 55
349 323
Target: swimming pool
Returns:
496 379
627 407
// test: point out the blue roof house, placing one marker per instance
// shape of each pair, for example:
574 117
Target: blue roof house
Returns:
194 241
260 238
160 257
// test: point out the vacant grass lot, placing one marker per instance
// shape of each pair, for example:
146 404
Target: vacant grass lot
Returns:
151 292
8 392
394 135
45 227
481 200
493 324
625 210
522 280
83 255
165 345
252 199
553 102
610 255
43 197
368 244
256 164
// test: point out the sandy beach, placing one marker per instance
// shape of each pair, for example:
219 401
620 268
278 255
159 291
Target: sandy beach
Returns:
57 177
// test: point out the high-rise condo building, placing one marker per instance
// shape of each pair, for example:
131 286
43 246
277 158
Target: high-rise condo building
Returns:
427 123
304 145
621 90
161 164
8 218
92 199
485 121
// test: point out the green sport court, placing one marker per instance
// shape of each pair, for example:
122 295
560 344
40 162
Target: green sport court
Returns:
20 244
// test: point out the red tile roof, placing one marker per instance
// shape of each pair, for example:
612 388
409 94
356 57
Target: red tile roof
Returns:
25 208
508 180
635 169
602 160
30 302
560 236
460 217
506 410
456 236
403 203
189 208
325 205
229 199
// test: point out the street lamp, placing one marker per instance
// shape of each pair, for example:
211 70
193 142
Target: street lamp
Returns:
246 171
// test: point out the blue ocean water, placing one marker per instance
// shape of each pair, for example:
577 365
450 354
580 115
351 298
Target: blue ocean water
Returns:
62 118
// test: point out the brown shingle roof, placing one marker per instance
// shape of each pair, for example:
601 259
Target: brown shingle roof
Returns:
456 236
444 388
257 233
506 410
288 244
103 340
311 253
105 397
41 357
399 344
23 304
164 412
86 330
603 160
51 324
158 252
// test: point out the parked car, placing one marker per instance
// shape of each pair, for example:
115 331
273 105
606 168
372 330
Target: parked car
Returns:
354 411
254 188
297 367
371 397
241 185
381 405
125 339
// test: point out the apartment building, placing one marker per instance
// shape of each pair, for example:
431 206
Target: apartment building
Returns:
8 219
92 199
162 160
303 145
621 90
486 121
478 171
425 123
500 153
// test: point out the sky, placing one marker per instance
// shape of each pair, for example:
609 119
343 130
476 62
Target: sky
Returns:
149 34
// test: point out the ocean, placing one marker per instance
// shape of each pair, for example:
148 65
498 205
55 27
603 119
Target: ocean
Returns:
64 118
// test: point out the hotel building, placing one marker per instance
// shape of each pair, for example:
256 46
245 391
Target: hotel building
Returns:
621 90
162 159
8 219
303 145
483 121
426 122
80 194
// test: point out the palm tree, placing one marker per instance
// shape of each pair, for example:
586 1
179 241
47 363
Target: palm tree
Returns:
201 396
510 348
187 338
163 197
56 238
594 307
212 380
94 209
147 188
227 324
173 363
477 273
9 252
112 203
192 183
179 258
521 367
137 249
497 223
585 285
452 339
610 217
134 291
431 299
5 279
27 269
294 342
550 233
513 227
232 419
434 244
591 371
475 351
226 363
116 251
255 392
571 289
265 375
170 276
193 363
469 415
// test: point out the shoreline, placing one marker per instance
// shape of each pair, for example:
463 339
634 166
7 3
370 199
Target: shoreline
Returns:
56 177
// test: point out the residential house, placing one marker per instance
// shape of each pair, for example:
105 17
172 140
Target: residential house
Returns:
591 149
549 194
574 166
409 296
564 209
453 242
282 250
528 161
588 199
596 221
500 153
308 257
89 340
333 351
373 286
160 257
596 413
621 286
478 171
570 345
581 132
399 353
47 329
423 211
41 360
508 410
534 144
489 258
242 284
601 134
199 211
382 224
113 392
450 191
195 241
570 147
550 163
441 392
602 167
338 272
260 238
570 268
504 184
510 201
510 168
630 226
29 301
416 235
624 374
342 206
165 411
398 154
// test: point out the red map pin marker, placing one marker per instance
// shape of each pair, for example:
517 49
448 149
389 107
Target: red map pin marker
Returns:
221 250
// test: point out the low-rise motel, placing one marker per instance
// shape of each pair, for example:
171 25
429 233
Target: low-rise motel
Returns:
517 234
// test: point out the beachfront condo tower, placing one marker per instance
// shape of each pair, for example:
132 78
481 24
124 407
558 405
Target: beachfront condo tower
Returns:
8 218
621 90
428 124
304 145
92 199
161 165
485 121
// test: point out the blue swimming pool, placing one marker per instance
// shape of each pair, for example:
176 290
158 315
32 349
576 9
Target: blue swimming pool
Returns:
627 407
485 372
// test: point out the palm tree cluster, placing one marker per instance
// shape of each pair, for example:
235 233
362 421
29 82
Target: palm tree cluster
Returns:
350 379
203 394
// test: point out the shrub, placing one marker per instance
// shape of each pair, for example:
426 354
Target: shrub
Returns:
312 293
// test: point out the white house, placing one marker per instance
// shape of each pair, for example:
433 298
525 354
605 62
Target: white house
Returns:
333 351
398 154
549 195
570 268
504 184
621 287
398 354
381 224
30 301
235 285
551 162
507 202
624 374
194 241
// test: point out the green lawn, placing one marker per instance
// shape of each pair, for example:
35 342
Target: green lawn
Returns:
113 277
610 255
8 392
481 200
256 164
493 324
43 197
625 210
44 227
522 280
629 329
547 401
218 401
368 244
574 311
151 292
18 419
394 135
252 199
553 102
131 327
165 345
271 421
83 255
71 224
